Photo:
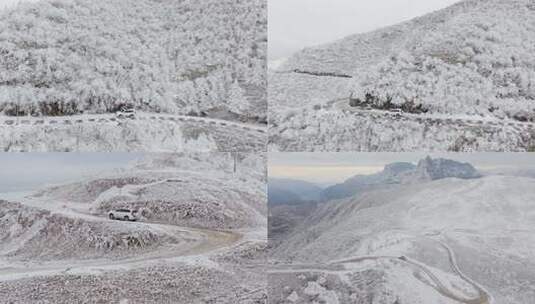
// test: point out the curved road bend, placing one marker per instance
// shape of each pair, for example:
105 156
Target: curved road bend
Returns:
202 241
482 298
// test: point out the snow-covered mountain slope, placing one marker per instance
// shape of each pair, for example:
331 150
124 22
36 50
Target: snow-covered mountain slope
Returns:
435 237
197 190
401 173
200 236
284 218
472 62
35 234
64 57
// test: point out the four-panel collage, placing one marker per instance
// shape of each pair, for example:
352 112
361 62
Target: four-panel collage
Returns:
267 151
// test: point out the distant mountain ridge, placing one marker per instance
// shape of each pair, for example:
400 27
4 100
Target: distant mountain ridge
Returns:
427 169
291 191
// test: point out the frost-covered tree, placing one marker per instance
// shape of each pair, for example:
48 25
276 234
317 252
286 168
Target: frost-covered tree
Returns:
75 56
237 102
475 58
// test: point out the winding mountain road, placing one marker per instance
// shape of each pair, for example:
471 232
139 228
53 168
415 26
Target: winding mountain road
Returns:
463 121
8 121
340 266
196 242
342 104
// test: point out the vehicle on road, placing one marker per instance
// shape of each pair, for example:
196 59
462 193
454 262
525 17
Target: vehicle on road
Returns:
174 180
123 214
126 112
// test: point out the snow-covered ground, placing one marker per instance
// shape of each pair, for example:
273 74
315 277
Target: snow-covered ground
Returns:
468 62
10 4
147 132
61 239
443 241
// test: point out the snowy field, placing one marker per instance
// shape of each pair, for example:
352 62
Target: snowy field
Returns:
445 240
472 61
200 236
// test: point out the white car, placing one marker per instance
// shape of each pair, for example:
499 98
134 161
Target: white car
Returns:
123 214
126 112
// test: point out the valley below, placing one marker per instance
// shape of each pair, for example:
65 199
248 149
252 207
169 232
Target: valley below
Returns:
437 232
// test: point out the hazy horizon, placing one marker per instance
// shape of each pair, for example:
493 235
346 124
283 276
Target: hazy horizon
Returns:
28 171
330 168
296 24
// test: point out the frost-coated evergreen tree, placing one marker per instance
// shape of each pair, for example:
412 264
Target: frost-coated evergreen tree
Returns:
237 102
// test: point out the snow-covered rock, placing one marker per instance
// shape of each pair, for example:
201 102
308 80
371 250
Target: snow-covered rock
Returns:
433 169
401 173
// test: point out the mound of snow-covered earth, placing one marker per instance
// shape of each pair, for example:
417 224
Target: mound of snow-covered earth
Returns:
195 190
435 236
189 200
34 234
472 62
88 191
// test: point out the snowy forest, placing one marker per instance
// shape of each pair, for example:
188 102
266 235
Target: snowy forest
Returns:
475 58
64 57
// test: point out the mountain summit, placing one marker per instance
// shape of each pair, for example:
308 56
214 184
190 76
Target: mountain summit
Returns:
433 169
427 169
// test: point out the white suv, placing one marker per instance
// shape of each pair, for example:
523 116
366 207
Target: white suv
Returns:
126 112
123 214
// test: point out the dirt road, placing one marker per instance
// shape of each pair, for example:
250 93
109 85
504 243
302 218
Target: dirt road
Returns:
197 242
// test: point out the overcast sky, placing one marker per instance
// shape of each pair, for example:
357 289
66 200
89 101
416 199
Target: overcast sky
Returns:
295 24
28 171
328 168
